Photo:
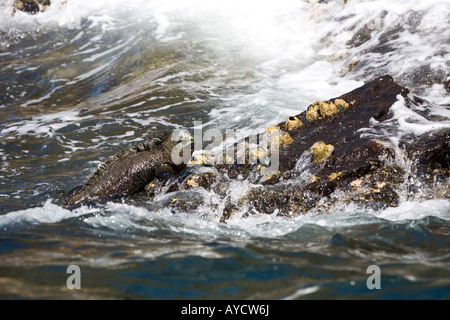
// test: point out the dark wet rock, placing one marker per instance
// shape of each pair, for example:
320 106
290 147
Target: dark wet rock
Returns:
341 164
447 83
340 130
330 154
433 150
363 35
431 170
425 75
391 33
31 6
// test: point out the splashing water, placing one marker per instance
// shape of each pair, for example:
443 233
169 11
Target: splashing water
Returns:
86 79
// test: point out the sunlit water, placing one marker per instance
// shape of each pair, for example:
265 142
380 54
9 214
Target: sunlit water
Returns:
84 80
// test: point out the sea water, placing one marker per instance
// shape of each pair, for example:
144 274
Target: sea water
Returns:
86 79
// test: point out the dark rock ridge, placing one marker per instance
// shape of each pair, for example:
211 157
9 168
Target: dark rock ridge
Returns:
343 150
447 83
31 6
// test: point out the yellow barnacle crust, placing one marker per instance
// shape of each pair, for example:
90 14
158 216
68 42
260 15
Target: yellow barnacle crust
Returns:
192 181
257 154
355 184
285 139
321 151
293 123
198 159
312 113
327 109
320 110
340 103
270 176
272 129
151 189
334 175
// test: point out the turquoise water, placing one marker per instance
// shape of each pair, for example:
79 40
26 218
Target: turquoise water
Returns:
82 81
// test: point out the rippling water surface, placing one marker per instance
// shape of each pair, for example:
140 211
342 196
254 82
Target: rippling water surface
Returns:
86 79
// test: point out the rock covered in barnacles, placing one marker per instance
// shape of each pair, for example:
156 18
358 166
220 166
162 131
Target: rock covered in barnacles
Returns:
324 157
345 165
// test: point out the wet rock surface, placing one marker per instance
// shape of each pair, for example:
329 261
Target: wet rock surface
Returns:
31 6
326 157
339 131
330 160
447 83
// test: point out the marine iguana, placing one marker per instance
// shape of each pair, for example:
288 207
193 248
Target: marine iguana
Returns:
129 171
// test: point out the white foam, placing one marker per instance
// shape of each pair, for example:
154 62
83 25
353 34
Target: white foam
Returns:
414 210
43 125
109 51
406 122
295 49
302 292
410 122
48 213
122 217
